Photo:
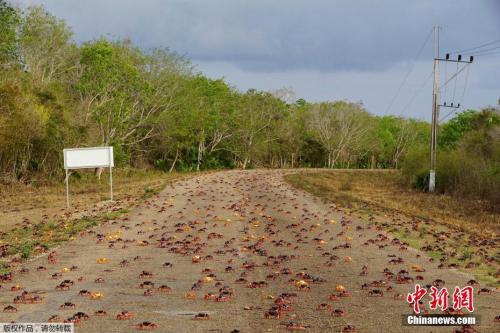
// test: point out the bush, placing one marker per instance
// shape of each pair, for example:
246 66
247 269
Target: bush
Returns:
459 173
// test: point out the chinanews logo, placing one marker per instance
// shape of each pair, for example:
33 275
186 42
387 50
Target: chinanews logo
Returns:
458 312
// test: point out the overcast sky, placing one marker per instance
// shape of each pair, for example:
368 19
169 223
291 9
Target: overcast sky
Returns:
325 50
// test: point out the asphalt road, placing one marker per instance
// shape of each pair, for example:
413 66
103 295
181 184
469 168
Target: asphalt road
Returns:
246 237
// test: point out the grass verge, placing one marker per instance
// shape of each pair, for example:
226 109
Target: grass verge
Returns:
48 225
458 233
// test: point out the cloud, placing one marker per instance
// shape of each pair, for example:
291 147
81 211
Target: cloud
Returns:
325 49
262 35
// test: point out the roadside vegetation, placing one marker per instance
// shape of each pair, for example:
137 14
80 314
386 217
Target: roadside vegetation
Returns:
33 219
162 115
461 233
159 112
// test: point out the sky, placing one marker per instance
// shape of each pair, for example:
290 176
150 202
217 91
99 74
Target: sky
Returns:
378 52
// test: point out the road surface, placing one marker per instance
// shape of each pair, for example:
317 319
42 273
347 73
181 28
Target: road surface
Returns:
246 237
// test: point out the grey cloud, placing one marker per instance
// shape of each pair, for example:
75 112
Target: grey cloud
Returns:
263 35
325 49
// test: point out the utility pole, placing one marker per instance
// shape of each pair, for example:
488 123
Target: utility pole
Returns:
436 105
435 112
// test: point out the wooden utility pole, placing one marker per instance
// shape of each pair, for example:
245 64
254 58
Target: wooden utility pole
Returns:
435 103
435 113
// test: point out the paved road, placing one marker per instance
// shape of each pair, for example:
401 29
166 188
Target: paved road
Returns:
247 231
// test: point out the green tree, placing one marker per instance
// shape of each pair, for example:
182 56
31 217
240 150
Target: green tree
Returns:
9 23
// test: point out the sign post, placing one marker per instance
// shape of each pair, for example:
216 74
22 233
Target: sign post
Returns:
88 158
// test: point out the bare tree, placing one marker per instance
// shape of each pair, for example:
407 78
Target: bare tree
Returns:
339 126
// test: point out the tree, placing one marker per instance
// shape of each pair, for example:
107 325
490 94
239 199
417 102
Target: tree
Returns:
339 127
45 46
9 23
255 115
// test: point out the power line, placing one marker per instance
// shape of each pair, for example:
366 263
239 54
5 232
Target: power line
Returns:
486 54
463 94
454 76
417 92
482 51
476 47
455 85
408 73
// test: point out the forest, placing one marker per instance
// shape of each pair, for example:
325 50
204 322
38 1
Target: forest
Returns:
158 111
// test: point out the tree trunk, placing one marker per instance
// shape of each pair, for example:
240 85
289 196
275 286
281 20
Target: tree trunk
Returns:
175 161
200 155
245 162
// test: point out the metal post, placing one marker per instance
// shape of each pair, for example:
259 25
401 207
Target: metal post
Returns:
111 182
435 114
67 188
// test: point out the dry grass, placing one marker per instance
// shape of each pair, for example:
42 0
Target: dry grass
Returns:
383 189
19 202
456 232
35 219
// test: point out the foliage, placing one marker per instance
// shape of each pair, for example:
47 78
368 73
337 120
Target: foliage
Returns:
158 112
468 163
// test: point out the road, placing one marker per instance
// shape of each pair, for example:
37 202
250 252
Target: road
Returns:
247 231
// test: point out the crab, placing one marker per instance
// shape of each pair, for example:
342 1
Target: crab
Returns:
54 319
324 306
100 313
164 288
62 287
81 316
67 305
210 296
52 258
202 316
9 309
96 295
273 313
124 315
146 326
344 293
146 285
145 275
84 292
349 329
16 287
295 326
376 293
484 291
149 292
189 295
73 319
338 313
124 263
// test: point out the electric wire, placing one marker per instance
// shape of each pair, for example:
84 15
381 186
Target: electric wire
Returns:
476 47
408 73
417 92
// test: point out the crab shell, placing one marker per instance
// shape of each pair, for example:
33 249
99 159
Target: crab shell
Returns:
146 326
202 317
9 309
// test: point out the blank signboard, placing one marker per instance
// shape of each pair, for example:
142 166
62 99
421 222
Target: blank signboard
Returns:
94 157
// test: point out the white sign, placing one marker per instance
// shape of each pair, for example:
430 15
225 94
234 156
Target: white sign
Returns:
94 157
84 158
